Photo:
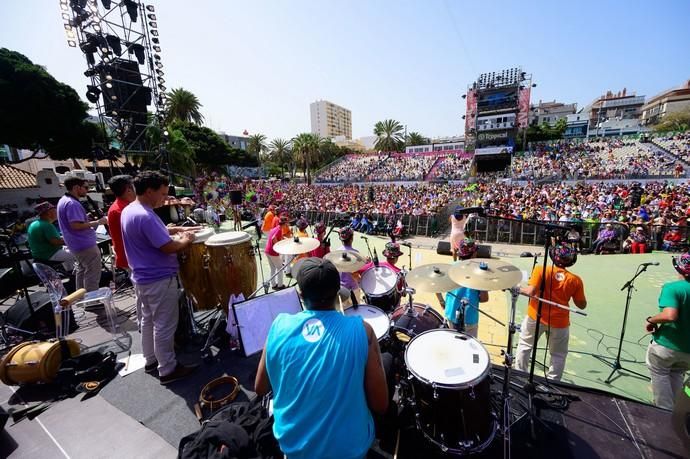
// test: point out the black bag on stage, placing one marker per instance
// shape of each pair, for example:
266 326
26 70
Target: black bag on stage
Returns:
92 366
240 430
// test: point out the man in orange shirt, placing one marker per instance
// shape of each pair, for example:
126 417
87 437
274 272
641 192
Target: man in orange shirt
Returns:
561 287
268 220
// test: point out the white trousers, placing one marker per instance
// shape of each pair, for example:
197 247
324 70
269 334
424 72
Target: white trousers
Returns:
667 369
558 347
159 315
276 263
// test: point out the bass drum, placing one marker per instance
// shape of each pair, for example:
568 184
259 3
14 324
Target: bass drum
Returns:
34 361
449 375
194 272
381 287
232 266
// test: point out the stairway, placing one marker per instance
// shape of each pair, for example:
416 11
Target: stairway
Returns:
432 172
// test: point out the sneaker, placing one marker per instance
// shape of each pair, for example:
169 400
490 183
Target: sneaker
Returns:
179 372
151 367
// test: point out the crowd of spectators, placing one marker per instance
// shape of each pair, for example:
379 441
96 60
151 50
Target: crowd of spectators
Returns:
351 168
599 159
403 167
678 145
452 167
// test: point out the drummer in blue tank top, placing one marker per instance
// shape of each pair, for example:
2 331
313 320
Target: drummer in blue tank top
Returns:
325 372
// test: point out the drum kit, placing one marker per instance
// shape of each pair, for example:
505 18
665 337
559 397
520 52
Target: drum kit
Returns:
443 374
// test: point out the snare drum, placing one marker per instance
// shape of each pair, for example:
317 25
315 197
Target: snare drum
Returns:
449 372
194 272
375 317
407 325
232 266
380 287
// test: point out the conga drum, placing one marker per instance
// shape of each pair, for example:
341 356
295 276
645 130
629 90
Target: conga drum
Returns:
194 272
35 361
232 266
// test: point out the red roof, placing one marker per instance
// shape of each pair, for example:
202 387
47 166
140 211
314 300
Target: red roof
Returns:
12 178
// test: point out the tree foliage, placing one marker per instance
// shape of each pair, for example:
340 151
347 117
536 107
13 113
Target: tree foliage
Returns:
280 153
678 121
390 135
40 113
257 145
209 149
542 132
182 105
415 138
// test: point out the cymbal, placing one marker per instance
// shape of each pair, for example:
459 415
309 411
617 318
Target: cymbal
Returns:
296 246
431 278
485 274
346 261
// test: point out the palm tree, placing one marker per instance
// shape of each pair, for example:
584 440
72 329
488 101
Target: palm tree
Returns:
306 150
280 149
415 138
390 135
257 145
184 106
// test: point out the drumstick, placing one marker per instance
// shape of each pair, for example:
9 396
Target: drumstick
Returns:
72 297
397 445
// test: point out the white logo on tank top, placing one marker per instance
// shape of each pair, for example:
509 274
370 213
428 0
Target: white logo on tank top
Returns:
560 277
313 330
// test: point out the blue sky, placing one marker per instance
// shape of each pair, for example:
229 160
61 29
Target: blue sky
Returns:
257 65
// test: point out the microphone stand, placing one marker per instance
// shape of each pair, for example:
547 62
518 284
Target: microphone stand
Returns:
616 365
366 241
261 266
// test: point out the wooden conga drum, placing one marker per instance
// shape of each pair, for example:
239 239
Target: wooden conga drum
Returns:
232 265
194 272
34 361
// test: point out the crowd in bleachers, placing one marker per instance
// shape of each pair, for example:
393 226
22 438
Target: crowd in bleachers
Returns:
678 145
606 159
351 168
452 167
403 167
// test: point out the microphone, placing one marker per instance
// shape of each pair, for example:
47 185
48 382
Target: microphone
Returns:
650 263
376 258
406 244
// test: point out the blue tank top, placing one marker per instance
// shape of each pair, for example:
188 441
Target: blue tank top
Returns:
454 303
316 362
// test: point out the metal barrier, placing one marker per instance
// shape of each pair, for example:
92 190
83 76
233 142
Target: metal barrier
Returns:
509 231
414 225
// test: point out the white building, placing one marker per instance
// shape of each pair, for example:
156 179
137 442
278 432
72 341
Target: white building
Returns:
330 120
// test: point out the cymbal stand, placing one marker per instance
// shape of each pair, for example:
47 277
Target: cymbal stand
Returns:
507 367
366 241
480 311
257 249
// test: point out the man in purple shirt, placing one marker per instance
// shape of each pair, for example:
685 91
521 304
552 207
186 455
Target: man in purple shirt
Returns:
152 257
605 235
79 234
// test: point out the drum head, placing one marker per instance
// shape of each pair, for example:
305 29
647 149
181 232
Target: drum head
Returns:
448 358
377 281
203 235
373 316
228 238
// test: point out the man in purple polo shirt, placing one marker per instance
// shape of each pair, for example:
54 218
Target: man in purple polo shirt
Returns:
80 235
151 254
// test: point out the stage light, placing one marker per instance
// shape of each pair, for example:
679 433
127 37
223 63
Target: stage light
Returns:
109 85
463 116
154 32
157 57
157 48
113 97
78 4
150 8
159 65
151 16
153 24
160 72
162 88
67 27
63 7
113 113
106 59
70 34
89 73
106 4
161 80
132 9
114 43
65 16
97 28
71 43
92 93
138 51
464 96
156 41
109 77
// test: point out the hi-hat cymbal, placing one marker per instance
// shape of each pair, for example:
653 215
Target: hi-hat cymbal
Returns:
346 261
431 278
485 274
296 246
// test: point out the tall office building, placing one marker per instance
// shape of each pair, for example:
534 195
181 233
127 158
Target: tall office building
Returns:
330 120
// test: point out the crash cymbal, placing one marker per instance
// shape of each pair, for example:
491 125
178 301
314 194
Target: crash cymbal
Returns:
296 246
485 274
431 278
346 261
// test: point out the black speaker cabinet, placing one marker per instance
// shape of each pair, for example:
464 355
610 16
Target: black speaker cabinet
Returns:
19 315
443 248
483 250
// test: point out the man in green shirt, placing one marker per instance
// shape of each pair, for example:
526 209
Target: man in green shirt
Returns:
668 355
45 241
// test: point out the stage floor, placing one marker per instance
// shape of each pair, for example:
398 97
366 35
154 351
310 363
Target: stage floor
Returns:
136 417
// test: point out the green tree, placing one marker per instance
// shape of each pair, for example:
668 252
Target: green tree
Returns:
678 121
257 145
209 149
182 105
280 150
306 147
40 113
390 135
415 138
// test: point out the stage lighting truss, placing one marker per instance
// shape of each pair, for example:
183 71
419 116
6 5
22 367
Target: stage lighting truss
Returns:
109 32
